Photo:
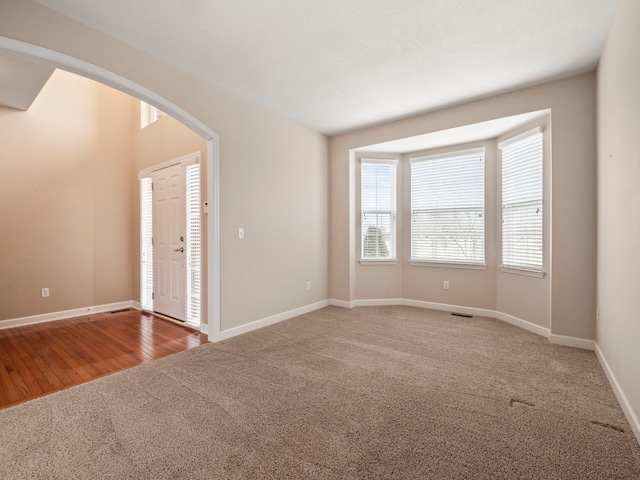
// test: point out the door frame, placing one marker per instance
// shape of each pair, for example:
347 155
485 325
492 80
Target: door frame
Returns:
184 161
212 204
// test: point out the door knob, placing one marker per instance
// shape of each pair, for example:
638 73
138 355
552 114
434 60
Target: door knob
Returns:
181 249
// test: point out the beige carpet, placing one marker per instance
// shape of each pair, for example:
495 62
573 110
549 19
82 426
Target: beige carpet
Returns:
380 392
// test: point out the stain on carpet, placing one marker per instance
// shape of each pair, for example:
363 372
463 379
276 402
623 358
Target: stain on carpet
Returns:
520 402
608 425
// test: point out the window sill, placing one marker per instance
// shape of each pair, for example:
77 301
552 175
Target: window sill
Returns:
378 262
522 271
467 266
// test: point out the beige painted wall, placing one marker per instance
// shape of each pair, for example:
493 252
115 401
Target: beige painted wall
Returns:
273 171
619 201
66 198
567 303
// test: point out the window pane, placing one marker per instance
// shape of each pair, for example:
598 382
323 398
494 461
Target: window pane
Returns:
447 209
522 192
194 243
378 206
146 244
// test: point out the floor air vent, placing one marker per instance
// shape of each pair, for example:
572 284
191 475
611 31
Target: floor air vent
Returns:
121 310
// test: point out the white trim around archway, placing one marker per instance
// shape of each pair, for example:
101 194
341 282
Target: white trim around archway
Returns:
80 67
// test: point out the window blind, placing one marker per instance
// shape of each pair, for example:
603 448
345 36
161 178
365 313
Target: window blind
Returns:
447 208
378 206
146 244
522 194
194 243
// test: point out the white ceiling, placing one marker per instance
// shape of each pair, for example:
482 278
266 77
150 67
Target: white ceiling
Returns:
337 65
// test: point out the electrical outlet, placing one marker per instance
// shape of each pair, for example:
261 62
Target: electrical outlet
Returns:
44 292
445 285
308 285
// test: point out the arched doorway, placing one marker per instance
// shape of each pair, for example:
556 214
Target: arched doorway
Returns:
66 62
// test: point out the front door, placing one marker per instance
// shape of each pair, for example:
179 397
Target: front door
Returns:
169 225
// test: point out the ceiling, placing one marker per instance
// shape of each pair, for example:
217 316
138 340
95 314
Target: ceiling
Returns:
338 65
21 80
455 136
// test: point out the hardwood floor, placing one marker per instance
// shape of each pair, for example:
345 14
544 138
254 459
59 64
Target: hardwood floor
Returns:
39 359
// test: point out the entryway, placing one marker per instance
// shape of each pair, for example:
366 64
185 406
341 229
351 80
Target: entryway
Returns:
170 239
212 159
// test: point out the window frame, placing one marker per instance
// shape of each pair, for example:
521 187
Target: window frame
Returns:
392 259
149 114
448 262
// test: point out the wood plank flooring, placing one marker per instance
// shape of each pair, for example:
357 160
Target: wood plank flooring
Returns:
36 360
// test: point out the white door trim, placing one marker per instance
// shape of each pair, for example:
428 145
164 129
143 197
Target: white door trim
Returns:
186 160
99 74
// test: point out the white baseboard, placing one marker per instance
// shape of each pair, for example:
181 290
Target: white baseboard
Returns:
232 332
632 418
79 312
572 342
381 302
443 307
524 324
265 322
340 303
76 312
583 343
377 302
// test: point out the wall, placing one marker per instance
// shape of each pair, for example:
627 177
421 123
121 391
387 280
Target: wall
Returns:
66 198
568 300
273 171
619 204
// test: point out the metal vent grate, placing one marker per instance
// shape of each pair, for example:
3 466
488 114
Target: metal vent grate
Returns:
121 310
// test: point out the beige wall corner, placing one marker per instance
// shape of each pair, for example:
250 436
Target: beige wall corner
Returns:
65 204
619 205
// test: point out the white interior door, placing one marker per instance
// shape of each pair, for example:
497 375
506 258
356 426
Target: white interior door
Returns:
169 225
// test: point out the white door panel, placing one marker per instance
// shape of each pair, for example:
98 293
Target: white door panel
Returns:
169 225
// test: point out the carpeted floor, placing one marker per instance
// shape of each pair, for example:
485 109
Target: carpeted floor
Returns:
379 392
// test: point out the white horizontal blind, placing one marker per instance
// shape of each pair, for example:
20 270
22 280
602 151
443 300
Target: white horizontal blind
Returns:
194 243
146 244
447 208
378 206
522 192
